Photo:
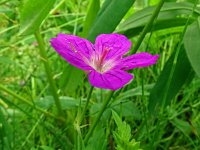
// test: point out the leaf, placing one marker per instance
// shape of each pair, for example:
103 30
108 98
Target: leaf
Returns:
71 78
127 109
175 13
135 92
70 102
98 141
32 13
107 20
93 9
192 46
170 81
117 119
65 101
123 135
182 125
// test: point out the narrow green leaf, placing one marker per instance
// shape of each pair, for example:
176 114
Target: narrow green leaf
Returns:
117 119
192 46
107 20
32 13
67 103
93 9
98 141
175 13
168 85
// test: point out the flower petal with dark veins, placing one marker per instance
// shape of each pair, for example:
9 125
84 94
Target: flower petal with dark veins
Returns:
137 60
73 49
113 79
116 44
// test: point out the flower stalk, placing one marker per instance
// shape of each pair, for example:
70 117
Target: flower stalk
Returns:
48 71
147 27
86 105
103 108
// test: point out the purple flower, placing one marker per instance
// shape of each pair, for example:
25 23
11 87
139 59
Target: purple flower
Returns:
103 60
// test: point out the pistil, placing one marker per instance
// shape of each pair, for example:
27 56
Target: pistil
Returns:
100 62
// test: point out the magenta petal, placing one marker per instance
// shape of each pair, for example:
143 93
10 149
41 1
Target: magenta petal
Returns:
113 79
73 49
138 60
117 44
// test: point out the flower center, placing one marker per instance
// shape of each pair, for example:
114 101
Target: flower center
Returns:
97 60
101 58
100 63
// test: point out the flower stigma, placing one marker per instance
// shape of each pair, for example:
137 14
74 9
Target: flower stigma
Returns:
99 62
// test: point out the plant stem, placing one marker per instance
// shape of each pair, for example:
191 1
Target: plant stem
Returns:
44 57
105 103
27 102
148 26
86 105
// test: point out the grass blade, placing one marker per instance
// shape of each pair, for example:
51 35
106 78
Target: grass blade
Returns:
191 42
168 85
175 13
108 19
93 9
37 10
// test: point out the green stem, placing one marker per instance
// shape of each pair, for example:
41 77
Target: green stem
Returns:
48 71
105 103
86 105
148 26
8 91
57 7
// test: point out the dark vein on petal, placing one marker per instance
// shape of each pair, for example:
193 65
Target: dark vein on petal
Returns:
116 76
108 85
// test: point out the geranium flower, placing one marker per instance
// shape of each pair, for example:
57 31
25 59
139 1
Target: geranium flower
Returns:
103 60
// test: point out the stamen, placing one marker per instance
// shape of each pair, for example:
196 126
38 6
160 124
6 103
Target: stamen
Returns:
105 52
100 63
103 56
